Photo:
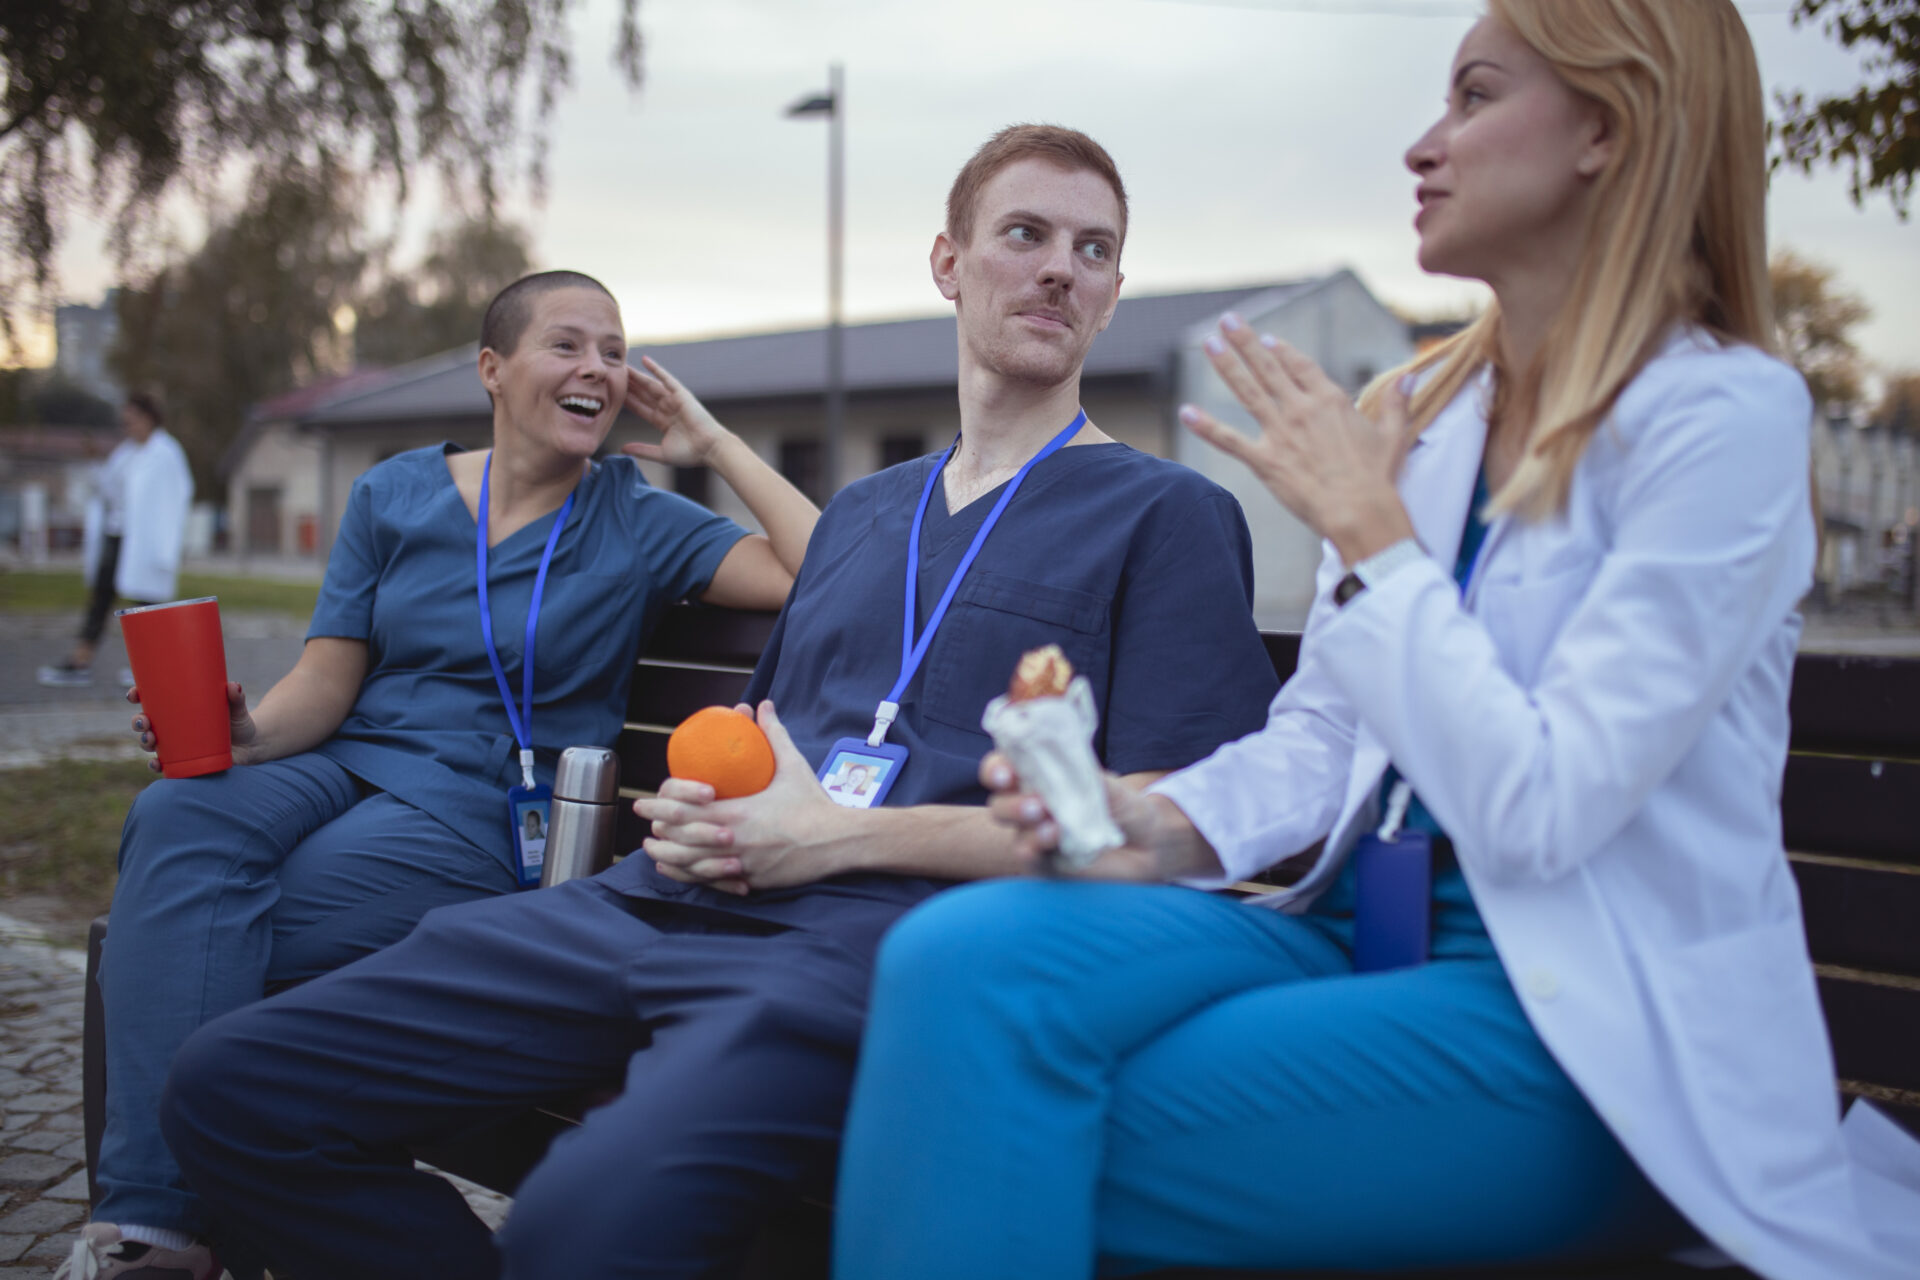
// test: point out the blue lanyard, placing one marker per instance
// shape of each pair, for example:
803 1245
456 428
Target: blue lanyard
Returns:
912 652
1410 813
521 721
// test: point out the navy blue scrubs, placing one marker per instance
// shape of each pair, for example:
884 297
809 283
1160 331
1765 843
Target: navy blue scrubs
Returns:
735 1021
1140 570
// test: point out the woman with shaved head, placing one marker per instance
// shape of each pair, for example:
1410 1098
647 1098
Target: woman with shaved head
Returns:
371 783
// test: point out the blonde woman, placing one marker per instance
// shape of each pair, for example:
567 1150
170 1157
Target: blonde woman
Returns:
1553 640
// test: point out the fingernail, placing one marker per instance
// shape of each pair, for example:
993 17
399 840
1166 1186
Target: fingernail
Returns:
1189 414
1232 323
1268 341
1030 810
1407 383
999 777
1215 345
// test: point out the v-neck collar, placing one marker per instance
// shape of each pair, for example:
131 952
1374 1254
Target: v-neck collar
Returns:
944 527
541 522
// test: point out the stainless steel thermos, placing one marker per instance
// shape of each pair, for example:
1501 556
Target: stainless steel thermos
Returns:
580 833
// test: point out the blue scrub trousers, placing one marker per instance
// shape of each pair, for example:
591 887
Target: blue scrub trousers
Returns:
1060 1078
736 1038
232 885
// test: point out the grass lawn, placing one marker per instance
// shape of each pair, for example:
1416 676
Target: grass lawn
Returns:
58 846
37 592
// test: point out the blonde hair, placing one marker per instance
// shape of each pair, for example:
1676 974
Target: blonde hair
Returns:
1679 226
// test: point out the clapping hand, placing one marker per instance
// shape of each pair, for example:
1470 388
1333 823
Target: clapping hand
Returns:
1330 464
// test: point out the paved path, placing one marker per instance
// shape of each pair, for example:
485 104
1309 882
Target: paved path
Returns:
37 723
43 1179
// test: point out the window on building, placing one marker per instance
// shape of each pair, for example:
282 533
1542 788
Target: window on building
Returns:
803 462
693 482
901 447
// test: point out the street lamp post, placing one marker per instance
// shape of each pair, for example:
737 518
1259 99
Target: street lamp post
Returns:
832 104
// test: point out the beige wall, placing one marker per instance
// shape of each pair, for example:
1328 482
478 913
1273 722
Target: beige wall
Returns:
279 459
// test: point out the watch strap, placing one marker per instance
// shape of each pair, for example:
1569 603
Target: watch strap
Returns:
1377 568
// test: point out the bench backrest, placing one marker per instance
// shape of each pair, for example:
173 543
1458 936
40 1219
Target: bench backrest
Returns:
1851 807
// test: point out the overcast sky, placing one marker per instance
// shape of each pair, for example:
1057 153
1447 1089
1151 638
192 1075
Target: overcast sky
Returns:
1259 140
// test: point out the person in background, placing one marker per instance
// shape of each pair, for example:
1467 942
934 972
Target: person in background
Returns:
142 495
1544 994
371 784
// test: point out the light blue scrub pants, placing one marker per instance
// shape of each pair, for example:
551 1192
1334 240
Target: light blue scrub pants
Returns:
1059 1078
235 884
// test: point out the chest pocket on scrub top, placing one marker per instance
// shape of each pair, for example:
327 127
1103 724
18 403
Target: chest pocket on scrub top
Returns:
994 619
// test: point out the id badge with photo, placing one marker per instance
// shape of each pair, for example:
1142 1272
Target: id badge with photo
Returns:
529 811
858 775
1393 901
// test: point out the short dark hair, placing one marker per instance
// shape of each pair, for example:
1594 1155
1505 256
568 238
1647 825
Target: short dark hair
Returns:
1067 149
147 402
511 310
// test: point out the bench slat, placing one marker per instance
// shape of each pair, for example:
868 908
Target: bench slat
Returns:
667 695
1863 917
1283 650
643 758
1875 1030
723 637
1852 808
1857 704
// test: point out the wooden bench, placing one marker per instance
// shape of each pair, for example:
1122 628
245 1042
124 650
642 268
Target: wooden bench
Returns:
1851 805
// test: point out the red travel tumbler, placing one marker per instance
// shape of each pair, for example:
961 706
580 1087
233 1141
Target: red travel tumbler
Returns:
180 666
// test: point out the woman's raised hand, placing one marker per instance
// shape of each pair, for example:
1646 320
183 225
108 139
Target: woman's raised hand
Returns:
688 433
1331 465
241 726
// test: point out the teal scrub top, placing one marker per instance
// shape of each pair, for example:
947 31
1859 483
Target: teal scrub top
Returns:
429 726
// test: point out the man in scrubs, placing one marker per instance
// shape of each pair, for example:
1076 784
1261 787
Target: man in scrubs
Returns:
724 971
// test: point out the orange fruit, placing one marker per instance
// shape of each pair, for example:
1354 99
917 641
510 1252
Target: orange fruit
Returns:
724 749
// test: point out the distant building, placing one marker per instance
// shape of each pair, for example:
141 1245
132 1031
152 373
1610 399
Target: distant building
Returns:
1868 480
901 378
83 336
274 472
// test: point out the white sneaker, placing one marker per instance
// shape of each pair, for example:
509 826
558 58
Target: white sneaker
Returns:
126 677
65 676
101 1254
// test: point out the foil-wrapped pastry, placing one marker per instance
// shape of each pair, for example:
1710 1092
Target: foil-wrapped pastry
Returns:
1044 724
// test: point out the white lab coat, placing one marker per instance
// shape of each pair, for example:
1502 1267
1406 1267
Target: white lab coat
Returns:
1601 727
152 489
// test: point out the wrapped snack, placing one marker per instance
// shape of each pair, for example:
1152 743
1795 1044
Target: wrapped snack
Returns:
1044 723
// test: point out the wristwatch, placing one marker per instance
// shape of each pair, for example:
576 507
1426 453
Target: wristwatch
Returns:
1376 569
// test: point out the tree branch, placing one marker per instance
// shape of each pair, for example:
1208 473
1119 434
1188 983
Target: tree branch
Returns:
38 105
